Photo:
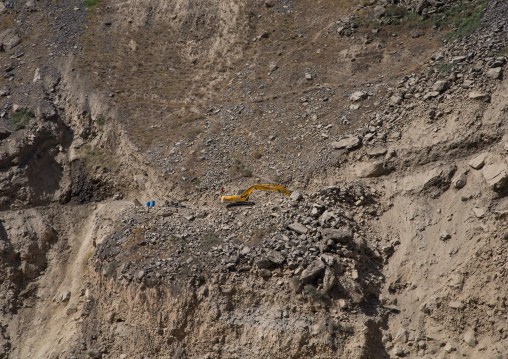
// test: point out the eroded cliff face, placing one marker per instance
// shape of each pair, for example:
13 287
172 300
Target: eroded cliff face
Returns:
392 141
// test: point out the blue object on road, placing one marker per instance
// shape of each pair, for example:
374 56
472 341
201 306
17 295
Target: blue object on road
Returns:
153 203
148 204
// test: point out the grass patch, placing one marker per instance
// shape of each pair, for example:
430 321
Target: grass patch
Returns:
210 239
342 328
90 3
20 119
467 21
444 67
395 11
100 121
241 168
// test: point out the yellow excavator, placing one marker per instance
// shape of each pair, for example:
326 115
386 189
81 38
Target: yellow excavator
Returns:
243 195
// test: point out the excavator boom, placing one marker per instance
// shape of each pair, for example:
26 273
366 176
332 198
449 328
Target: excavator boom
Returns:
243 197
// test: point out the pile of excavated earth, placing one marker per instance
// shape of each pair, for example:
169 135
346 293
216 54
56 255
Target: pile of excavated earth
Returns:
390 137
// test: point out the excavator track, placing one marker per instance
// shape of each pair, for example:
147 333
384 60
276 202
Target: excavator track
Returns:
240 204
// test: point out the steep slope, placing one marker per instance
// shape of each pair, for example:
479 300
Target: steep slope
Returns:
387 120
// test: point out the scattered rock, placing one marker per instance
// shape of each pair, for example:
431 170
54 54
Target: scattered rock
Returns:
479 212
494 73
457 305
396 99
9 39
480 96
342 235
295 196
496 175
348 143
65 296
377 152
265 273
398 351
314 270
441 86
275 257
470 338
358 96
459 181
298 228
449 348
270 3
402 336
368 170
459 59
94 353
478 162
445 236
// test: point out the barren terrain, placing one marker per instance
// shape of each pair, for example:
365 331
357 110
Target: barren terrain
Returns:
386 120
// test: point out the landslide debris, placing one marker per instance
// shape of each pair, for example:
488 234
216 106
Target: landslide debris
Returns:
388 118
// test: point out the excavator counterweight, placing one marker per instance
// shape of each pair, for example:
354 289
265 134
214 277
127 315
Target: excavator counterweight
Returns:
244 197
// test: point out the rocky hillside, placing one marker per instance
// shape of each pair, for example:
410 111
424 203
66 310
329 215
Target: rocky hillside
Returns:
385 119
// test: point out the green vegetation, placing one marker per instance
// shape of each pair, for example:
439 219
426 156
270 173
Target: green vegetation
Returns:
90 3
395 11
462 18
467 21
100 121
210 240
345 329
240 167
312 291
111 270
20 119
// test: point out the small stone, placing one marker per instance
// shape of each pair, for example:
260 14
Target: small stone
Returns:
298 228
449 348
341 235
445 236
470 338
457 305
480 96
348 143
459 59
265 273
94 353
377 152
496 175
494 73
314 270
459 181
479 212
402 336
467 84
65 296
295 196
369 170
358 96
396 100
441 86
478 162
398 351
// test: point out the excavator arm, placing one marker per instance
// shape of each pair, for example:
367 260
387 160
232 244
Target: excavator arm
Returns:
243 197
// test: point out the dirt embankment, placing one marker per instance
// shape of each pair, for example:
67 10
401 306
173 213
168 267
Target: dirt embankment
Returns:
393 141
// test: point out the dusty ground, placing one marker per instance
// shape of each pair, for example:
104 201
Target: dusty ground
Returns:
392 131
